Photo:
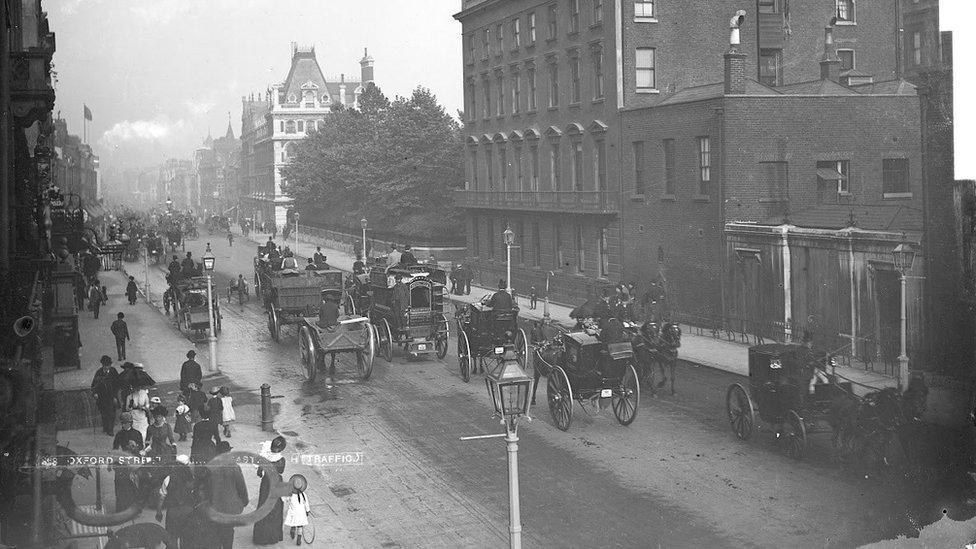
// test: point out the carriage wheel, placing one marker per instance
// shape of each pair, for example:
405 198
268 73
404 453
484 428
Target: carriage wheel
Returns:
794 435
464 355
364 358
442 336
560 396
274 325
742 414
521 344
386 340
349 305
625 403
309 359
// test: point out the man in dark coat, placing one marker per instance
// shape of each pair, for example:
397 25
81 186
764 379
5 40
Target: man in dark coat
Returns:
501 301
121 332
131 290
174 269
215 406
407 257
178 496
311 266
228 494
189 268
95 299
319 257
190 372
105 387
358 267
205 439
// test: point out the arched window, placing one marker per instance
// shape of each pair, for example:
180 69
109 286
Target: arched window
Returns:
309 98
290 126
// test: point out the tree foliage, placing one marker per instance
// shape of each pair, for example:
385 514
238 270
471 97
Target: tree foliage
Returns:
394 162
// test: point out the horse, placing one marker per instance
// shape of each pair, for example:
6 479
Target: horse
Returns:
549 353
657 346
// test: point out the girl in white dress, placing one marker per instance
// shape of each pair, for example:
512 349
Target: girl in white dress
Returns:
297 508
137 402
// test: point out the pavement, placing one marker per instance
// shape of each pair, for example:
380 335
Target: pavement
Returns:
703 350
161 349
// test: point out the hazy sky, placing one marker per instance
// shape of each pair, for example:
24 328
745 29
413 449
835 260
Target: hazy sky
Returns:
158 73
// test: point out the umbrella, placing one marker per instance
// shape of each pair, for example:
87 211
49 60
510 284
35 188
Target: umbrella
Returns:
134 376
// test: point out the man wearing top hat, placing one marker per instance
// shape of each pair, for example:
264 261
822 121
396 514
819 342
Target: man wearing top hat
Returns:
105 387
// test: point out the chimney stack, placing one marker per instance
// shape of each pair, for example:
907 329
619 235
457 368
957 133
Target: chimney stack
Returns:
830 65
366 64
735 62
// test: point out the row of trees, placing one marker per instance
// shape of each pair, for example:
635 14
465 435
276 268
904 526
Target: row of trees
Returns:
395 163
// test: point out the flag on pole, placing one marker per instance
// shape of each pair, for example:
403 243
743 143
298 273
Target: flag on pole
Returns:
88 115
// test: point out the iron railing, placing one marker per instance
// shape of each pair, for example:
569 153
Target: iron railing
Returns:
601 202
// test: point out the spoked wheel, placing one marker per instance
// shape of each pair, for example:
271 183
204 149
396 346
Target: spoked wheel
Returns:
626 399
794 435
307 349
742 415
442 337
521 344
273 324
465 362
364 358
386 340
560 396
349 305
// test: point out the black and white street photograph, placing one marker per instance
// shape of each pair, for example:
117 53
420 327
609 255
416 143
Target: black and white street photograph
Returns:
420 274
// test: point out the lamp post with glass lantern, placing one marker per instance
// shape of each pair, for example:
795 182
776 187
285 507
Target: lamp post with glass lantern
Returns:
169 204
362 223
509 236
510 390
903 256
208 265
545 309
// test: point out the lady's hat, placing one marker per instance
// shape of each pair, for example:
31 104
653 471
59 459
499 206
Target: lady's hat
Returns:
191 353
183 458
215 391
126 417
299 482
106 360
193 385
278 444
155 400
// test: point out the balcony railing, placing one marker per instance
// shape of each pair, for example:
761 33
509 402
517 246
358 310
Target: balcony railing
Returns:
598 202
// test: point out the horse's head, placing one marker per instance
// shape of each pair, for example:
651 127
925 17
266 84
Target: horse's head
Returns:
650 329
672 334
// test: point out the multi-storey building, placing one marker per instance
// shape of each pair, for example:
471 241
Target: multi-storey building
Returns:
217 164
288 112
545 83
921 45
75 165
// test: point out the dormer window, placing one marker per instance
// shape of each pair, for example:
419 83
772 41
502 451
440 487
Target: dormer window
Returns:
309 98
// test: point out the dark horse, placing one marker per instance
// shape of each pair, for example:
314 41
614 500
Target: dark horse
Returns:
654 345
547 354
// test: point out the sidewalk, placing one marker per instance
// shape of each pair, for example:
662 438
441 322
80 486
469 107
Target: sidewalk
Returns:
702 350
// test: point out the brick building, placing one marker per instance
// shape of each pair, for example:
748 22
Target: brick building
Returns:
287 112
218 163
545 84
75 165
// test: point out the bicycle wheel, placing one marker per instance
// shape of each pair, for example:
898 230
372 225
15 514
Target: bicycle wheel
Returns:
308 533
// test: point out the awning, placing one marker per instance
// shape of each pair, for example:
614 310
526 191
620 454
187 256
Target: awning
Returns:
829 174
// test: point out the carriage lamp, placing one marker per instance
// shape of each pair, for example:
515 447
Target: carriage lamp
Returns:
510 389
903 256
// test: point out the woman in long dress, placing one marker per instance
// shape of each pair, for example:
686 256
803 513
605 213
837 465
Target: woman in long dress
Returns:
137 403
268 530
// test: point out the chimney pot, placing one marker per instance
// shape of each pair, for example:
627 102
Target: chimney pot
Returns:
830 65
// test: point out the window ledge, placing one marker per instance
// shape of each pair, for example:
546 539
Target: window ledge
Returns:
530 46
516 115
648 90
672 198
846 23
596 25
574 105
516 49
500 117
598 100
554 108
531 111
888 196
702 198
550 40
637 197
572 34
645 19
843 193
771 200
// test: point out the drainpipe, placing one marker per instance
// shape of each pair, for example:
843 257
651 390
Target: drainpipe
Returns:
787 279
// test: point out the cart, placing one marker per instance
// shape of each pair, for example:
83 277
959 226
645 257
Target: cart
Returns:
583 368
407 309
353 335
192 313
291 295
483 336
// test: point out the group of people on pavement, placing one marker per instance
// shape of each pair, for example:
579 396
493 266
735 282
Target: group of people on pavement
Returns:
461 277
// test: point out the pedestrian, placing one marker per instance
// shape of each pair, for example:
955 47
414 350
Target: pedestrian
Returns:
176 494
196 400
533 298
205 439
168 300
227 410
230 239
184 424
311 266
274 231
136 403
94 299
393 258
104 295
81 293
127 440
358 267
453 278
131 290
215 406
105 390
190 372
268 530
174 269
468 276
228 494
407 257
298 509
319 257
159 437
121 332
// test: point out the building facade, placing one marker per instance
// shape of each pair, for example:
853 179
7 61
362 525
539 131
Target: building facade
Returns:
218 163
545 84
288 112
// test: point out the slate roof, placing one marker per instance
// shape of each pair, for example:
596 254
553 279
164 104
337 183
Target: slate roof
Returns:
890 87
816 87
713 91
880 217
813 87
304 68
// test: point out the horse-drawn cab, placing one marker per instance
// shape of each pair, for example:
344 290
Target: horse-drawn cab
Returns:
407 308
589 366
484 334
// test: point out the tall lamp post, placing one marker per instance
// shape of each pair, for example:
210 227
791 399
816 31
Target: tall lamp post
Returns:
297 217
509 236
208 265
903 256
169 204
510 390
545 308
363 223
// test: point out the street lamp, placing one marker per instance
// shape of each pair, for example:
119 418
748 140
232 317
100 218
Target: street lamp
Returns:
509 236
510 390
545 310
169 204
903 256
208 265
297 216
362 223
